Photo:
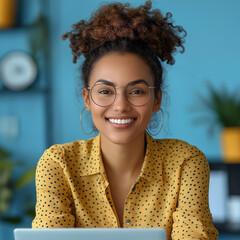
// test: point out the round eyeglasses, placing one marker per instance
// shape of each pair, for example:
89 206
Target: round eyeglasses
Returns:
104 95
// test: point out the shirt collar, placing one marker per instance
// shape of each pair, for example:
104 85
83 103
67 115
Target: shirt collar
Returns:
92 158
151 168
152 164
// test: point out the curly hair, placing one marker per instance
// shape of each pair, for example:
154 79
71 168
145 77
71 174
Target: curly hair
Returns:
113 21
118 28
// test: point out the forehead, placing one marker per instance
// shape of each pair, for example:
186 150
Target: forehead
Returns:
121 69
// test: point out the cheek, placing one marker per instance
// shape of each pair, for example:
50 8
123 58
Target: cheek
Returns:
96 113
148 116
146 113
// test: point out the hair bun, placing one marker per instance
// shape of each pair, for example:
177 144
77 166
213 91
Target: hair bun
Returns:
118 20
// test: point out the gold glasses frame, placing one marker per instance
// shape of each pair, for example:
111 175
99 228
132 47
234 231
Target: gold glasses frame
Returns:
115 93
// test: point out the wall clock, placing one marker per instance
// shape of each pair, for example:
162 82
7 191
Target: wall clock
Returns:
18 70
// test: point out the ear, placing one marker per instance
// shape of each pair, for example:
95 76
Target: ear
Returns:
157 101
85 95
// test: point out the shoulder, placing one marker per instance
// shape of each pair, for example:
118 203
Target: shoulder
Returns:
177 153
172 146
61 153
176 147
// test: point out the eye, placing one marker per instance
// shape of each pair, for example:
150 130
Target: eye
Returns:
105 92
137 92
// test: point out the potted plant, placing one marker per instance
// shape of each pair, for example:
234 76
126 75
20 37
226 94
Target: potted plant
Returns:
8 186
224 108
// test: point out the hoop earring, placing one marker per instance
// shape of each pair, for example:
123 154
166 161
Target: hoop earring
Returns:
82 124
160 127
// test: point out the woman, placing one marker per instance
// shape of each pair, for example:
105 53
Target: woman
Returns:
124 177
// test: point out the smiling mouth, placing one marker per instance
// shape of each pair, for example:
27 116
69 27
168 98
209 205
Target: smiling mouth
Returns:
121 121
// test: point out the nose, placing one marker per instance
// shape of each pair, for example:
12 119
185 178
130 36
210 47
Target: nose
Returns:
121 103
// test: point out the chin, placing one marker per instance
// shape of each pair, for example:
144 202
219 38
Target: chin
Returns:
122 138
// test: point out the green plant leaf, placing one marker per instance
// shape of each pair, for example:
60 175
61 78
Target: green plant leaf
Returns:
26 178
5 176
38 37
8 164
30 212
3 154
221 106
12 220
5 198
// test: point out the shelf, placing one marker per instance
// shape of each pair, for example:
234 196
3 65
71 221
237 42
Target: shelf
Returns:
232 171
227 228
23 31
15 28
26 91
217 165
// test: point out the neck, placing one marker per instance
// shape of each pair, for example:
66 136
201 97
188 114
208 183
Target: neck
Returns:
123 160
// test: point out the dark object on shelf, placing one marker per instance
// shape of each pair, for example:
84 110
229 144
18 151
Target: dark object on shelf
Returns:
234 179
227 228
233 171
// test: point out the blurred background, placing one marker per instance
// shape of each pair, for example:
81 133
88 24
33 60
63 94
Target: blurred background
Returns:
39 105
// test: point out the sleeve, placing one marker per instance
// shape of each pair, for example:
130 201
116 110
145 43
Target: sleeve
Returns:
192 218
54 207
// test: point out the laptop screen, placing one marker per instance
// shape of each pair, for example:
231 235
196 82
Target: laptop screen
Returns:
90 234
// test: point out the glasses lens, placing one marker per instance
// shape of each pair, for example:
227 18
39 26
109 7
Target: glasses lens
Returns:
138 94
103 94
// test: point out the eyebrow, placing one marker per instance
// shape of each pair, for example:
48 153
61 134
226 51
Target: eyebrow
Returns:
130 84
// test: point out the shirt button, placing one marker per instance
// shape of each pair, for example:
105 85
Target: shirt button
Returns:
128 221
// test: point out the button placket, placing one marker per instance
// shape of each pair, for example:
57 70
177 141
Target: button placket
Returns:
128 206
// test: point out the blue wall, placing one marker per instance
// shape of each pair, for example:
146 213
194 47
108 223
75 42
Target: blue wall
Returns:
212 53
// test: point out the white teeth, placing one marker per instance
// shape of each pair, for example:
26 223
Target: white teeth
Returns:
120 121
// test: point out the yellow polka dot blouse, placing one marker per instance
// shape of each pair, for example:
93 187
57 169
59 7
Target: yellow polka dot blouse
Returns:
171 191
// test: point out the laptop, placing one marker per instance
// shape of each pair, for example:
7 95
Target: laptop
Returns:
90 234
